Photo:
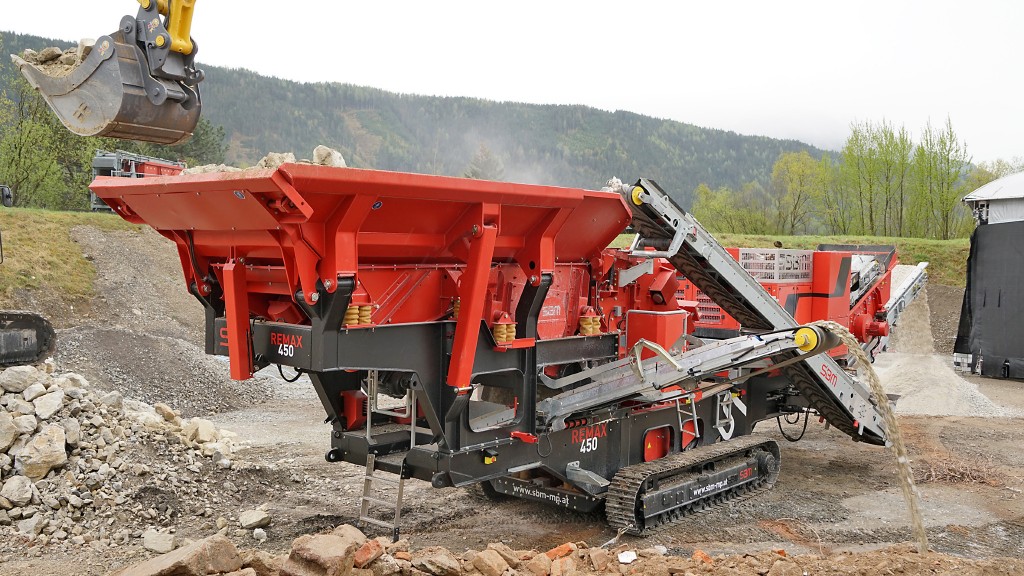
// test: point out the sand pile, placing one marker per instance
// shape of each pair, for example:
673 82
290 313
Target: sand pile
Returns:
927 383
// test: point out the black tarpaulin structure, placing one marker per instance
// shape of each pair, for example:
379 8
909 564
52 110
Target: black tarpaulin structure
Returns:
990 337
992 316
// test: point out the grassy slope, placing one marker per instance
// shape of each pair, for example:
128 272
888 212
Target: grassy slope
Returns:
39 253
947 258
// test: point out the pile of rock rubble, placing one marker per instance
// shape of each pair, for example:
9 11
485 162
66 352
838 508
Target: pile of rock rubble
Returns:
322 156
56 62
345 551
83 467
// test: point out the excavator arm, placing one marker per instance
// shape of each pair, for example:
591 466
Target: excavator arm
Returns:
138 83
178 23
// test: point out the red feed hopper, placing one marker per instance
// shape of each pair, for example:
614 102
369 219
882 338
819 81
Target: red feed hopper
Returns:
278 240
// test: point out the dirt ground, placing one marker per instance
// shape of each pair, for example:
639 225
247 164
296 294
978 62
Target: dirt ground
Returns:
833 495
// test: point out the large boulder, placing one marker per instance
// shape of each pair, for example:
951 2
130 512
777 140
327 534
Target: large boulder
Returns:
49 54
17 489
490 563
325 156
17 378
201 431
32 526
322 555
159 542
113 399
254 519
8 431
262 562
19 407
33 391
275 159
26 424
437 561
214 555
42 453
49 404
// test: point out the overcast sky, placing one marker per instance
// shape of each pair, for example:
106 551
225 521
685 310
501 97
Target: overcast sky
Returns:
800 70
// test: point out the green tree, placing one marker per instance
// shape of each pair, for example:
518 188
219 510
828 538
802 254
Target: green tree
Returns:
796 192
738 212
485 166
27 163
939 163
45 164
836 206
857 163
891 171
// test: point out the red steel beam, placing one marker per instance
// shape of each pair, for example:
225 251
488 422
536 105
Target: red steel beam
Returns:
236 312
472 291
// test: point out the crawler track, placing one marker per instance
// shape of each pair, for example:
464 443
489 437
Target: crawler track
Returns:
624 508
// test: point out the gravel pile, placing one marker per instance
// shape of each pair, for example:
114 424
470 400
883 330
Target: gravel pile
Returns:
84 467
143 335
158 369
926 381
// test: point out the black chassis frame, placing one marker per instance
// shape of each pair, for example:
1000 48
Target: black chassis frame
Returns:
453 454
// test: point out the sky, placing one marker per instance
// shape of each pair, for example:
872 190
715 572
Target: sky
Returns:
785 69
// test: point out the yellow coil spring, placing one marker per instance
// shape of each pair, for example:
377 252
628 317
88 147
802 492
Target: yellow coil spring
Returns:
590 325
365 313
351 316
455 308
504 333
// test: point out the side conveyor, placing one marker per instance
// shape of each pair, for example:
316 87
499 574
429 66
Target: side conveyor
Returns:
677 236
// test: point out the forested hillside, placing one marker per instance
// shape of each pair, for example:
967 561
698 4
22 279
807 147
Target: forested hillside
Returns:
565 145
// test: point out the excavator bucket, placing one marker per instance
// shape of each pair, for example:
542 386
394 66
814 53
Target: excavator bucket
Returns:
25 338
112 93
